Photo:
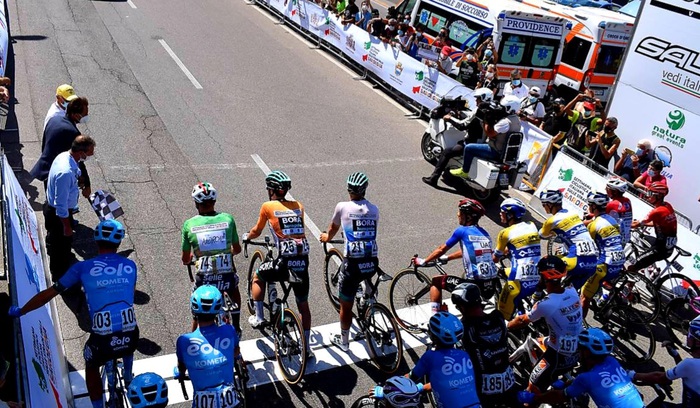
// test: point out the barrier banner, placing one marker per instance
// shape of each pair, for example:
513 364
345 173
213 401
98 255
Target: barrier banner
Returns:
41 355
575 181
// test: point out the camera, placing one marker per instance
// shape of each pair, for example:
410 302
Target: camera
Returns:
491 112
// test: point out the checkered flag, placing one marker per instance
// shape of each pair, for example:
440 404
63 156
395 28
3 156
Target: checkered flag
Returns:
105 205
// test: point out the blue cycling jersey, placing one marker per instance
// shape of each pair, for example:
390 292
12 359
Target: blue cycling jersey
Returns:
208 354
608 385
477 253
451 375
109 281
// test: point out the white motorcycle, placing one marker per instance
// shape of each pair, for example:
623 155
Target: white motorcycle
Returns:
489 177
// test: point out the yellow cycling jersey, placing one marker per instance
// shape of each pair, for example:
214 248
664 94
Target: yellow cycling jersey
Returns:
605 230
570 228
522 242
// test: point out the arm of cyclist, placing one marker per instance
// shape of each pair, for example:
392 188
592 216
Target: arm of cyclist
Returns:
39 300
546 230
259 226
332 230
519 322
437 253
501 249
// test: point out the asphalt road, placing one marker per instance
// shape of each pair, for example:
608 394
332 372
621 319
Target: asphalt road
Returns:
253 90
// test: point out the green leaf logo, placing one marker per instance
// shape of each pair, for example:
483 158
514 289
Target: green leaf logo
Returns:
419 75
675 120
566 174
696 258
368 45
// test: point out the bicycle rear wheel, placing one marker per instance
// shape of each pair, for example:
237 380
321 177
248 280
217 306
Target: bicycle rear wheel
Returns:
675 285
332 267
241 382
290 345
409 299
634 340
255 262
383 338
678 314
643 297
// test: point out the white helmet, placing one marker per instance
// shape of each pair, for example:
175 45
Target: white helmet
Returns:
535 91
203 192
617 184
511 103
485 94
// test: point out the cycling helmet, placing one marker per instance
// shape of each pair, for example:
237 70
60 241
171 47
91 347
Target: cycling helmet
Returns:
203 192
148 390
658 188
551 268
694 329
357 183
472 207
278 180
617 184
511 103
401 392
109 231
551 197
596 341
206 299
513 206
598 199
466 295
485 94
445 328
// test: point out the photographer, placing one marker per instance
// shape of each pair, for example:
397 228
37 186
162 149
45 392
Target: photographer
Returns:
462 120
585 122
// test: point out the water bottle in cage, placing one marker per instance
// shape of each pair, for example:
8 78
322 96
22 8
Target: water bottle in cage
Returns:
272 296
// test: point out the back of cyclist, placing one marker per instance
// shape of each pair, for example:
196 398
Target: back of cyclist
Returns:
519 240
109 282
397 392
449 370
358 218
212 238
561 310
286 220
475 251
208 354
582 256
606 232
148 390
663 219
620 207
601 377
486 340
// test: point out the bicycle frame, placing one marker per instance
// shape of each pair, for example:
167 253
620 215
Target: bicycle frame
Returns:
286 286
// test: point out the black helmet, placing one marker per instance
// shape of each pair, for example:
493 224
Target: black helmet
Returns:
466 295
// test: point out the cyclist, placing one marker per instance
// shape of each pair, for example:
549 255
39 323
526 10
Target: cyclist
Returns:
620 207
359 219
212 237
148 390
286 219
582 256
561 310
397 392
606 232
486 340
475 251
208 354
602 377
520 240
109 282
449 370
663 219
688 370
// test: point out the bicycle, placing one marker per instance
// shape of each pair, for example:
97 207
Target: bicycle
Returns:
233 397
116 391
678 314
409 294
377 324
228 305
287 331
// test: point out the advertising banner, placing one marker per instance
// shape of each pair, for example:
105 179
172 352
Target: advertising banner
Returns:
657 96
38 335
575 181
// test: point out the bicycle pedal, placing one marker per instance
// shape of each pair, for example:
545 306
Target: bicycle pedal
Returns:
359 336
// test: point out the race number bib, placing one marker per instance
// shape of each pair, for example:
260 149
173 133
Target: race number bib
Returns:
360 249
102 323
128 319
614 257
528 272
211 237
568 344
224 397
219 263
486 270
497 383
586 248
293 247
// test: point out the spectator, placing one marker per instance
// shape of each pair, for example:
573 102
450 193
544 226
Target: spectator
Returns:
365 14
605 143
416 38
652 175
376 25
64 94
584 123
490 79
340 7
468 69
390 31
444 62
516 87
402 37
61 199
407 19
485 52
350 12
532 109
58 137
441 40
556 122
632 164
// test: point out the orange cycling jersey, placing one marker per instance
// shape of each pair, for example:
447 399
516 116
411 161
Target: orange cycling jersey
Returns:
286 220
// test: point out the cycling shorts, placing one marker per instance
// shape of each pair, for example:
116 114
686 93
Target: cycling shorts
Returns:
579 269
602 272
100 349
352 273
655 254
552 365
294 270
511 296
225 282
488 287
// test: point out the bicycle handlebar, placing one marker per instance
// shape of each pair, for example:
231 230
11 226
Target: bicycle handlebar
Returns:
266 243
189 271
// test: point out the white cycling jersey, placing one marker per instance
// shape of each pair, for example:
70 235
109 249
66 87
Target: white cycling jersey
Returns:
562 312
359 222
689 371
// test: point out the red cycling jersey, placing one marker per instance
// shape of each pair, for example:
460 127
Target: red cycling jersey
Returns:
621 210
665 225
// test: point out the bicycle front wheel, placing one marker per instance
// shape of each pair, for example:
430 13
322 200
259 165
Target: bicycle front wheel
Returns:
634 340
674 286
290 345
678 314
255 262
332 267
643 297
383 338
409 299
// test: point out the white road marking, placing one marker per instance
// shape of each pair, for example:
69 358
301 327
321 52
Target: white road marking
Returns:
131 4
180 64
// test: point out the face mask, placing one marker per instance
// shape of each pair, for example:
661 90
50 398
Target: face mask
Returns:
85 119
516 82
608 129
364 8
587 113
64 105
82 159
400 33
489 75
390 27
419 35
639 152
652 173
407 21
533 99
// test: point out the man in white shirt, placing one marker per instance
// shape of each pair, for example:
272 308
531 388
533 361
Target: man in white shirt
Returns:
516 86
64 94
532 109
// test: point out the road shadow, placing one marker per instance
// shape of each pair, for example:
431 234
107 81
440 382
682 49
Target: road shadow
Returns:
141 298
148 347
28 38
84 241
74 298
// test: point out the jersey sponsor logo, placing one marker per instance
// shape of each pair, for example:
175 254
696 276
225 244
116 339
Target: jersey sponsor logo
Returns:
120 341
494 353
286 213
296 263
199 347
101 268
610 379
210 227
452 366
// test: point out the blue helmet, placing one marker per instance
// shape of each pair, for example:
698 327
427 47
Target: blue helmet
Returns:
514 207
148 390
694 329
109 231
445 328
206 300
596 341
